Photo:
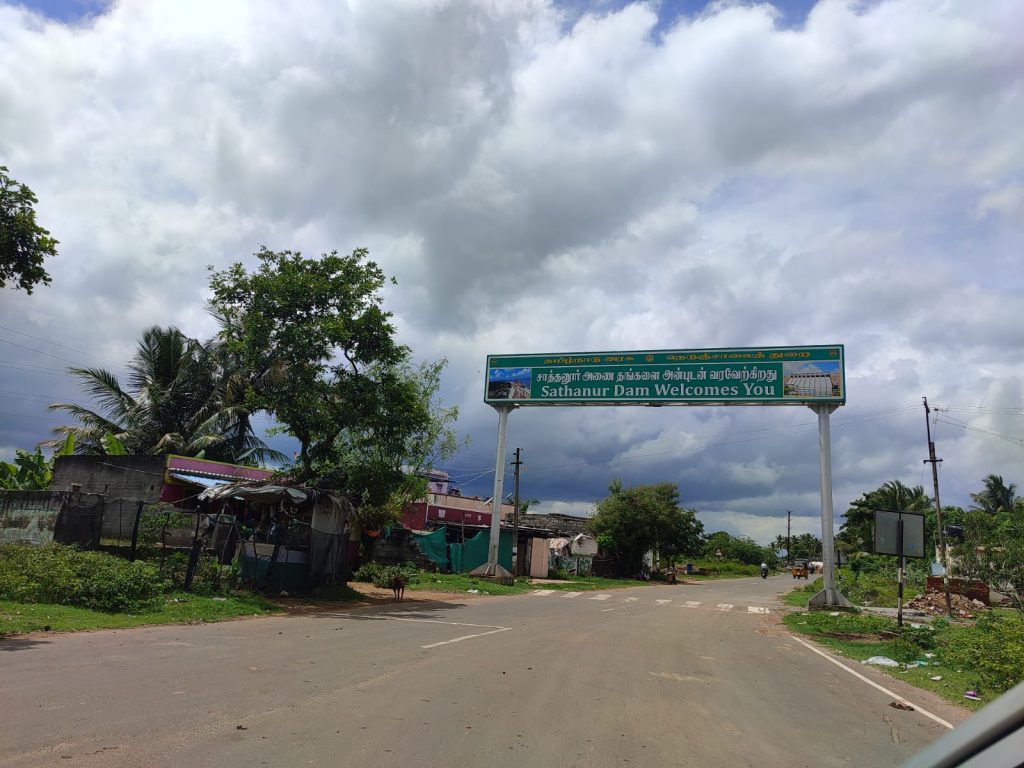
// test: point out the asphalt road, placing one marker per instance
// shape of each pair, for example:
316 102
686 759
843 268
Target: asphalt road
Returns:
686 675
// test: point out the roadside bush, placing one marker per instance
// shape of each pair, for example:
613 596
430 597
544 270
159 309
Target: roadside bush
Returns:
559 573
922 636
729 567
381 575
55 573
368 572
993 649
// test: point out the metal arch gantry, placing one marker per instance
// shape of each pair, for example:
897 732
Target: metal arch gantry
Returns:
827 598
492 569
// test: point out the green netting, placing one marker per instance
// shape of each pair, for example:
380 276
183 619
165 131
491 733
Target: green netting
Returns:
434 546
473 554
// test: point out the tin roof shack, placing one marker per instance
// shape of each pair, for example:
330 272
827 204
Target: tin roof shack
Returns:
125 481
291 538
565 526
573 555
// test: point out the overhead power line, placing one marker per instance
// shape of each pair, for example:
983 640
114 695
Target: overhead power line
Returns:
963 425
29 368
773 432
62 346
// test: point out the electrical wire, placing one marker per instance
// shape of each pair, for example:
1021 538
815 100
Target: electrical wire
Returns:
963 425
980 409
62 346
29 368
39 351
784 431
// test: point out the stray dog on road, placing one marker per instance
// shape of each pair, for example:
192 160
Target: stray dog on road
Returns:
398 586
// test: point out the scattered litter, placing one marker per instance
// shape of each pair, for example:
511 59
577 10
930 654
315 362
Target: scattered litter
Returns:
241 728
881 661
916 664
473 591
929 655
935 678
935 604
972 695
801 622
901 705
220 599
833 613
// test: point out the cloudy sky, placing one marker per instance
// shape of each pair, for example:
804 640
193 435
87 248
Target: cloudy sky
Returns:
547 176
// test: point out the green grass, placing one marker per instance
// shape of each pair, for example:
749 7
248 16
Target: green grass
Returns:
175 608
725 569
870 589
856 637
462 582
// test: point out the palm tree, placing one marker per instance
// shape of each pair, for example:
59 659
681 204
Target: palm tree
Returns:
893 496
179 400
997 496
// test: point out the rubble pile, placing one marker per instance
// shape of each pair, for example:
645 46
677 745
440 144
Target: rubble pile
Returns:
935 604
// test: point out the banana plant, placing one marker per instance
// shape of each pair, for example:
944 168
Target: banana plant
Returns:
32 471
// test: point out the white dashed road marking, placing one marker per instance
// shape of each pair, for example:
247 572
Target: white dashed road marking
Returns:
632 599
543 592
572 594
756 609
663 602
693 603
605 610
599 597
494 629
725 606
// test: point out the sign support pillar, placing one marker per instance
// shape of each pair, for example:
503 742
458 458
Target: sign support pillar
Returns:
829 597
491 569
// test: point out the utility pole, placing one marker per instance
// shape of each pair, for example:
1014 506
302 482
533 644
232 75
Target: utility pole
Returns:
938 507
515 515
789 546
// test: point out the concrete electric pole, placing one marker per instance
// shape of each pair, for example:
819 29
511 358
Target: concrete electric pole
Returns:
938 507
515 513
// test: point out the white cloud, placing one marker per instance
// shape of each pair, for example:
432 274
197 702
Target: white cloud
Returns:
539 185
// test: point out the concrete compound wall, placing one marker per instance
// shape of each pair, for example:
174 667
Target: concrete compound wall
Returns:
123 480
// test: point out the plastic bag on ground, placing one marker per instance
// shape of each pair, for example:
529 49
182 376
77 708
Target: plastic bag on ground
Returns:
881 661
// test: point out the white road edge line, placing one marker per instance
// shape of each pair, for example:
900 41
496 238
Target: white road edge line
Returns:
873 684
467 637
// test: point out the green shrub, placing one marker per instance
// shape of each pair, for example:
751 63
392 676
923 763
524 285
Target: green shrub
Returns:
381 575
993 649
921 636
55 573
729 567
368 572
559 573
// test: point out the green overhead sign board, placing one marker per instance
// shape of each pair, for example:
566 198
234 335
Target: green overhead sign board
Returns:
744 376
